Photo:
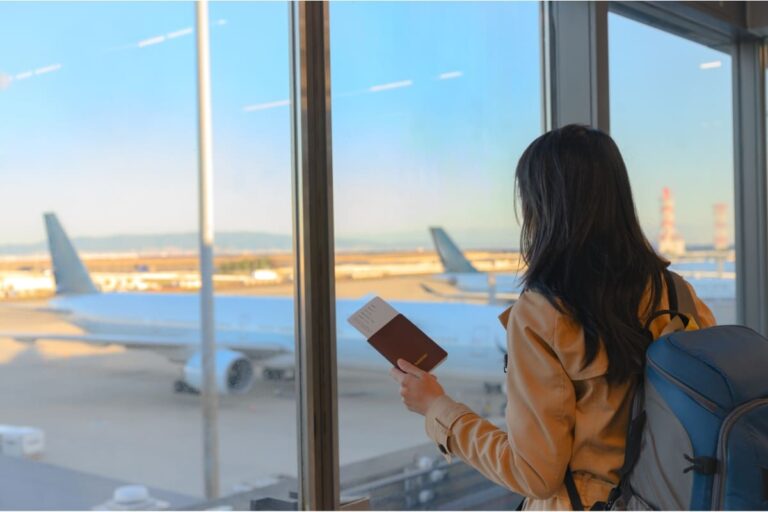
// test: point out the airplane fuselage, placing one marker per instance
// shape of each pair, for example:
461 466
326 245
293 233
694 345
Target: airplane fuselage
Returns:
709 280
481 282
471 334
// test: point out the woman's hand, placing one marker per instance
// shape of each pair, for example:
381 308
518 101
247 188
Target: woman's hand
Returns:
417 387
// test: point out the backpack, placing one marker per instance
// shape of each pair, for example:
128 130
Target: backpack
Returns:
698 436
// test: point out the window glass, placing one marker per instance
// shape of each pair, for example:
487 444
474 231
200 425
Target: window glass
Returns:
254 260
671 115
433 103
99 109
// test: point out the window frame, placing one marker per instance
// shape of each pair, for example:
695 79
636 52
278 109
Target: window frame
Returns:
575 69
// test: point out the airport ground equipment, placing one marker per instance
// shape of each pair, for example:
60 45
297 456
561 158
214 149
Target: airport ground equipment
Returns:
16 441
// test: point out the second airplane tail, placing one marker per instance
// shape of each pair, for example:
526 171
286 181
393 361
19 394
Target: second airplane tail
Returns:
68 270
451 256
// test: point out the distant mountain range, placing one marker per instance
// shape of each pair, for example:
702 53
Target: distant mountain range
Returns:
243 241
173 243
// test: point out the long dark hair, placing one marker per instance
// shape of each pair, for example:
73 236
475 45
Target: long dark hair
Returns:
583 246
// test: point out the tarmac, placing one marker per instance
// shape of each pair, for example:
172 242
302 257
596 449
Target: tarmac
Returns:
113 413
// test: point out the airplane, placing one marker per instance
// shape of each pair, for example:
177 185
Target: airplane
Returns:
714 281
472 284
252 330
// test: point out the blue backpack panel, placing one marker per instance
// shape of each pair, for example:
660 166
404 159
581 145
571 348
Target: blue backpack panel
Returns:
698 439
706 391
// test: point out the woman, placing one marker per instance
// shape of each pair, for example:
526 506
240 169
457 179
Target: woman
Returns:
575 338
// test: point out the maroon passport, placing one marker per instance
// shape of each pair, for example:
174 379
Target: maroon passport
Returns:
395 337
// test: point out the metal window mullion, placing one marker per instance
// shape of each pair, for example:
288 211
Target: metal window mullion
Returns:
314 254
598 22
751 186
547 67
576 63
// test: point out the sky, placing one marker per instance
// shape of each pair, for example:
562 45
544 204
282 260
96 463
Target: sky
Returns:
671 116
433 103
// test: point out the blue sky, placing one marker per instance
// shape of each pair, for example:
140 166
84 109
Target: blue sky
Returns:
433 104
673 123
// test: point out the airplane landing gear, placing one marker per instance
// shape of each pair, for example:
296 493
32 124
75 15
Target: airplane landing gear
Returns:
277 374
491 388
182 387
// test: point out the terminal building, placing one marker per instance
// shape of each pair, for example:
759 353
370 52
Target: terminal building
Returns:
198 195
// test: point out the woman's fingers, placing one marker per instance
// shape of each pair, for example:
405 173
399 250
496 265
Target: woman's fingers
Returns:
397 375
418 389
410 369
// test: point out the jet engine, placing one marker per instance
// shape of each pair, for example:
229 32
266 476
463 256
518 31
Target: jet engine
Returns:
234 372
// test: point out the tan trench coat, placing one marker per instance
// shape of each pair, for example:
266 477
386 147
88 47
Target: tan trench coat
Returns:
558 413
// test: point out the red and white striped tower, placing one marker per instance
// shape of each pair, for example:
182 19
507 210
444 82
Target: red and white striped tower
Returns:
721 227
670 243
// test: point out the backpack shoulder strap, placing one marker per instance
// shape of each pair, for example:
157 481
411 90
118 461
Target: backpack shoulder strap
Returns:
681 303
671 284
573 492
686 304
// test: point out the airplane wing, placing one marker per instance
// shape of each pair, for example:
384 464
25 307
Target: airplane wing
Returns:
260 351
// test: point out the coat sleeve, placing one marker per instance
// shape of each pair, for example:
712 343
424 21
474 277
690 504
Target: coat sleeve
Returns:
531 457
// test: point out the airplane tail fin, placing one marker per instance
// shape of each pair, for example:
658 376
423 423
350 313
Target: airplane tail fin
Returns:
68 270
451 256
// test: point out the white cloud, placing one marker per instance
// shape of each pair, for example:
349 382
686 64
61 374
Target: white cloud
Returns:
179 33
711 65
391 85
24 75
151 41
266 106
449 75
48 69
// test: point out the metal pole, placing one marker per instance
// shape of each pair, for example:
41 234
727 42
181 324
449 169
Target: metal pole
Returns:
314 254
750 185
210 398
